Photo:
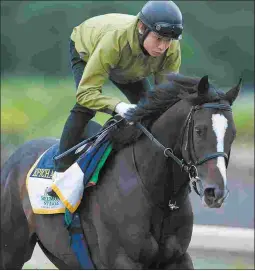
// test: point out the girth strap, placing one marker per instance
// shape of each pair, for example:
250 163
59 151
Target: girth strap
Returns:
78 244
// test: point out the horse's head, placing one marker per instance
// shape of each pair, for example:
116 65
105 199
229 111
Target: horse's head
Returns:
192 122
206 135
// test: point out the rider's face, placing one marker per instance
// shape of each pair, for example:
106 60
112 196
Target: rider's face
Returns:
156 45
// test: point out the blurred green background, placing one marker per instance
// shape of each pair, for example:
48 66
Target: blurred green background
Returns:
37 88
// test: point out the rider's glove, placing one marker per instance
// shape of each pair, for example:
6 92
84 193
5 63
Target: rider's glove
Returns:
122 108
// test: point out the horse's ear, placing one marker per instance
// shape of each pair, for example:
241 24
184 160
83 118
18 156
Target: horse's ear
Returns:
233 92
203 86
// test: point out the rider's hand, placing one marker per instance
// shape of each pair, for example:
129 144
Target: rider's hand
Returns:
121 108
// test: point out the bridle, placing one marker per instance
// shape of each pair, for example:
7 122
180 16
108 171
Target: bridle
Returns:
190 163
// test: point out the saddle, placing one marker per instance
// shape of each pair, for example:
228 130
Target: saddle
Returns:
94 151
91 157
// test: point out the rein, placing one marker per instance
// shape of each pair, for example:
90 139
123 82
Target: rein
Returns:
82 143
190 166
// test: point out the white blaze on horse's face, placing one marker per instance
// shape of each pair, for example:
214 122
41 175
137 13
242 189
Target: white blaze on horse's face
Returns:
219 125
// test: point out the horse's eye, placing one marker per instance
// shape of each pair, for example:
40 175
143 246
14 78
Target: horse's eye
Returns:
198 131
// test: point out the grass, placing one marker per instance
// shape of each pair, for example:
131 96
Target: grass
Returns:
34 107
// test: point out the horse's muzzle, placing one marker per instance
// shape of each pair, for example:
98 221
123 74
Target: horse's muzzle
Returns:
214 196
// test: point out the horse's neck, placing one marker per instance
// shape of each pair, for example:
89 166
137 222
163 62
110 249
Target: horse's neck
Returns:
154 170
157 172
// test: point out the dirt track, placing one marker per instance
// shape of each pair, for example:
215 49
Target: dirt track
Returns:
202 260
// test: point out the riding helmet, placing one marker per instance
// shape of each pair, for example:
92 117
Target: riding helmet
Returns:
163 18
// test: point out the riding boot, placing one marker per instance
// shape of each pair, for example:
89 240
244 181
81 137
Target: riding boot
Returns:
71 136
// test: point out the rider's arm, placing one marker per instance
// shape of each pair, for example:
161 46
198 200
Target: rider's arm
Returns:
172 63
105 57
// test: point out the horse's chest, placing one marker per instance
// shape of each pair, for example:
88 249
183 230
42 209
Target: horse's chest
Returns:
172 246
172 232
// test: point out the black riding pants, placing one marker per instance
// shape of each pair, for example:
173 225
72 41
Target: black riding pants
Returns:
80 115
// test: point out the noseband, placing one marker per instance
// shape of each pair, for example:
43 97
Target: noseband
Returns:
190 165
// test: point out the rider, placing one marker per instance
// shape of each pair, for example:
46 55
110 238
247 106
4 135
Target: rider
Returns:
126 49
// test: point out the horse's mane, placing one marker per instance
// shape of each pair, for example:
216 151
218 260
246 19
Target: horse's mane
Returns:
159 100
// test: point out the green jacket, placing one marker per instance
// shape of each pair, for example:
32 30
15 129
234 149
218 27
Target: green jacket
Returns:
110 46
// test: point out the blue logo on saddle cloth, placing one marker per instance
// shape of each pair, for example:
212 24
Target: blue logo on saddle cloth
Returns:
45 167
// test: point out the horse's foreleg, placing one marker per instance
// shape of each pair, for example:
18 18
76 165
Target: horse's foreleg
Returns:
184 262
123 261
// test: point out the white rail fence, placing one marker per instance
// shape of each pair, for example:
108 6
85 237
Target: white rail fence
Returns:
223 238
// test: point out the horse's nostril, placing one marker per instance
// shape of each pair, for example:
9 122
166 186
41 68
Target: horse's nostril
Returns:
210 192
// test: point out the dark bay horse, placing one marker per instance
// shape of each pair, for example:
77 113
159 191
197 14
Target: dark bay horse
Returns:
139 215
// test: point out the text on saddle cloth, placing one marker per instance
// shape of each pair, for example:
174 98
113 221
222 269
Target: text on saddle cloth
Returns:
83 173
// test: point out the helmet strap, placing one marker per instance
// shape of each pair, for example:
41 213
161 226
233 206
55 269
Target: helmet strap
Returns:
142 37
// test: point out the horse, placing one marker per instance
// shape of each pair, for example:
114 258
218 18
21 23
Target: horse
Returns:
139 215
